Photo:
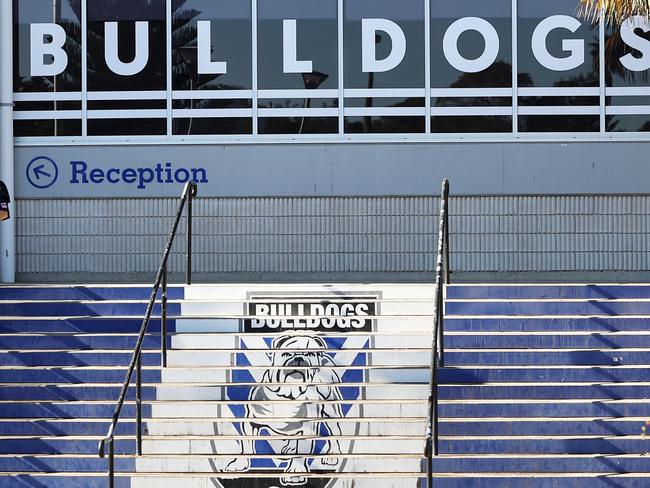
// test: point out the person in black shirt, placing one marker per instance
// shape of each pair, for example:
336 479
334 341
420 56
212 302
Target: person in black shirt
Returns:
4 201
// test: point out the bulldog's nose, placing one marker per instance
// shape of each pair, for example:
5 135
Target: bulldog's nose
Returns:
297 361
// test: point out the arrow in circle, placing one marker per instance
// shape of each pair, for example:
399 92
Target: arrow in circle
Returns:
38 171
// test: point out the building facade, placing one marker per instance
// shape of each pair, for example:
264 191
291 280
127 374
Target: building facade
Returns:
319 132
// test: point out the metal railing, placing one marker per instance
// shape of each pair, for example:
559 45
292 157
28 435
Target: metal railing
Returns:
189 192
438 344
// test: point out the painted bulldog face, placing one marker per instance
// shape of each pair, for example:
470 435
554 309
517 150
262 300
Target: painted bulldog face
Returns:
298 358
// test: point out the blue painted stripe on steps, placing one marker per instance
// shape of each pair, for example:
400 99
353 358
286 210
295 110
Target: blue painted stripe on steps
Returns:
514 427
542 392
548 291
76 342
54 464
35 481
57 428
550 409
516 324
513 358
50 393
547 308
49 358
521 481
609 445
60 445
592 341
70 410
93 325
587 374
80 292
73 376
542 464
78 309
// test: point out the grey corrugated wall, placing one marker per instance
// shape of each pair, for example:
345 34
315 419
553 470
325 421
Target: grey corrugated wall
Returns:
337 234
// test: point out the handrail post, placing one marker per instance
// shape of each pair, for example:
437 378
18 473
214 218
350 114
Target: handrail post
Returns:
441 331
163 321
190 197
445 196
138 403
111 463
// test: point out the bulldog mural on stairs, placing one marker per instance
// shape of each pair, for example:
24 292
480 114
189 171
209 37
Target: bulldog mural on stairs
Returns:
299 356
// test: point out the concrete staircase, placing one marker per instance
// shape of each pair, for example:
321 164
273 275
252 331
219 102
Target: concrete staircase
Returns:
544 386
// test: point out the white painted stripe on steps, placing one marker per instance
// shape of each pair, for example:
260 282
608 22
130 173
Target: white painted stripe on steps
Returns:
353 465
202 325
218 393
239 290
206 357
169 446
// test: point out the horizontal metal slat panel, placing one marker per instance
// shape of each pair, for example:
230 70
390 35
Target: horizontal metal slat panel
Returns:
338 234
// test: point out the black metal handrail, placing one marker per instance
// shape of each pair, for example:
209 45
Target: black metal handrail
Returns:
438 344
189 192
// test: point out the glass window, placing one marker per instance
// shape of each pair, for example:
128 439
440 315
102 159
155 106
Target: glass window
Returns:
627 91
471 55
384 76
297 66
46 104
557 69
213 84
126 56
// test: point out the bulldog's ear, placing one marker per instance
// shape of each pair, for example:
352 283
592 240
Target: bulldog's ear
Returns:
278 341
320 341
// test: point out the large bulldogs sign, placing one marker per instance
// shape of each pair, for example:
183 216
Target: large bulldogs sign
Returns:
296 355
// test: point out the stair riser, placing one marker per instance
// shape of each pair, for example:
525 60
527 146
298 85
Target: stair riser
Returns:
548 308
85 293
60 446
494 341
122 358
55 393
574 324
95 325
376 427
484 464
68 410
553 291
77 342
63 481
55 464
71 376
452 358
586 374
76 309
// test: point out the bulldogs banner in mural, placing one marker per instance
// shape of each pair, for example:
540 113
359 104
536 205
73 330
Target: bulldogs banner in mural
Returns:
289 390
